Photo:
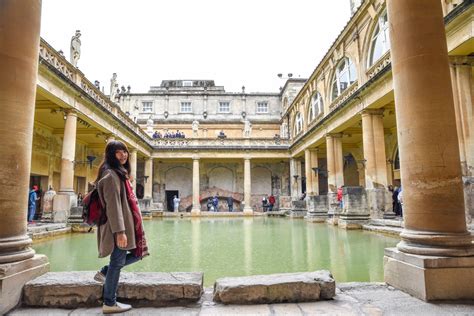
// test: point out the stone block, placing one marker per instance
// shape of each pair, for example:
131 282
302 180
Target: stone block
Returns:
317 208
275 288
14 275
334 209
379 202
355 211
428 277
62 204
78 289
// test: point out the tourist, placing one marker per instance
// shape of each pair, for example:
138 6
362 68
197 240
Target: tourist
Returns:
32 198
339 197
400 200
122 236
176 201
264 203
271 202
230 203
215 203
395 204
79 199
209 205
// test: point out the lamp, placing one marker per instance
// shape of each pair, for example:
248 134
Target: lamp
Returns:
244 114
362 161
296 177
166 114
204 114
146 178
316 170
89 161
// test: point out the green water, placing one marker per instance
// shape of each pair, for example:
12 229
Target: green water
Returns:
237 247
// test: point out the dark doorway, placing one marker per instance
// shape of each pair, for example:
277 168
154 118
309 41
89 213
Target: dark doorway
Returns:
169 199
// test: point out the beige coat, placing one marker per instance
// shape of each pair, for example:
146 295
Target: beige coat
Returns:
112 194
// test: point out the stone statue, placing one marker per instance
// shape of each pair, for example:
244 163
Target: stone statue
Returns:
113 87
195 128
149 125
247 128
75 48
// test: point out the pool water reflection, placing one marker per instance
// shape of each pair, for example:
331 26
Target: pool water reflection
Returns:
236 247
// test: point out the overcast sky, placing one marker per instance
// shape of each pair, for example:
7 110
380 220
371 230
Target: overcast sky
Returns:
234 42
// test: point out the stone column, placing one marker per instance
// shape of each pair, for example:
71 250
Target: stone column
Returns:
133 166
247 187
66 182
314 175
196 210
308 172
335 165
435 224
19 45
110 138
294 179
148 178
379 198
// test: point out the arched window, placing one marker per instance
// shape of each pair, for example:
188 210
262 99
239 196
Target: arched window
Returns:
380 42
344 76
396 163
298 123
316 106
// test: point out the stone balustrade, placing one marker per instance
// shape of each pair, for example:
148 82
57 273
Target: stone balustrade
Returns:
222 143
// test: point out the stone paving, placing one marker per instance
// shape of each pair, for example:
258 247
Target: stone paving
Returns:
351 299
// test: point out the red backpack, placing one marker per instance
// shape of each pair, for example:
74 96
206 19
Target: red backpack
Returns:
93 213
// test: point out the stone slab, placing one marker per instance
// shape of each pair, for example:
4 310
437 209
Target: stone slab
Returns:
79 289
275 288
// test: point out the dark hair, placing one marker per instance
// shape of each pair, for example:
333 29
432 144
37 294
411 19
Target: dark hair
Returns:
111 162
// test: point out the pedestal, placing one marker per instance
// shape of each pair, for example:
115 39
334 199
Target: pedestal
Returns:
380 203
62 204
13 277
428 277
334 209
317 208
355 212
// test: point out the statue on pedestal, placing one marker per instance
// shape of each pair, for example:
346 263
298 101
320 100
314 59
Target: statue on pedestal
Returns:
75 48
113 87
195 127
247 128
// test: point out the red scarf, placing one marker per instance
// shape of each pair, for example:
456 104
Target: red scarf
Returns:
142 248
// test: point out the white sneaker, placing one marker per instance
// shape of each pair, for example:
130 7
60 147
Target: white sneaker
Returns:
117 308
99 277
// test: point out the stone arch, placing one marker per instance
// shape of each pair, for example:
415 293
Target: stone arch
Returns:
179 178
351 172
261 180
222 178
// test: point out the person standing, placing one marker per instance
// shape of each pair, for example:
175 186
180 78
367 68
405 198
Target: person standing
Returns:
271 202
230 203
215 203
176 201
121 235
32 198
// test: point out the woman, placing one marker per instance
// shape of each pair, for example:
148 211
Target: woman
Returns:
122 236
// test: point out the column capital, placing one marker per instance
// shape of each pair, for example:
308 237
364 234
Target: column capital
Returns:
314 150
334 135
196 157
70 112
371 112
461 60
133 150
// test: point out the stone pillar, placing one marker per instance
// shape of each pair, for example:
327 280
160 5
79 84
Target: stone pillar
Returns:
110 138
308 172
314 175
66 182
294 179
247 187
19 45
378 196
148 178
196 210
133 166
435 224
335 165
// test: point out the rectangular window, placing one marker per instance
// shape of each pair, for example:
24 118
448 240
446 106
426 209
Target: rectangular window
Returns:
187 83
147 106
224 107
262 107
186 107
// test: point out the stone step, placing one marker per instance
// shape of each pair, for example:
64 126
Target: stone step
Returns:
387 222
383 229
275 288
79 289
43 227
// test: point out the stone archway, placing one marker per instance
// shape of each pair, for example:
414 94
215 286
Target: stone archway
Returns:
222 178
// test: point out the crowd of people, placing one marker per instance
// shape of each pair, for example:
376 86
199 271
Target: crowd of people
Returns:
268 202
176 134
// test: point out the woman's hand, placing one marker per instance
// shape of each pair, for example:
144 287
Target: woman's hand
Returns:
121 240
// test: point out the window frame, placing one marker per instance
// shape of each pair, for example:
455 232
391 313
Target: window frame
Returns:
181 106
312 107
143 107
339 73
258 108
298 123
219 109
380 31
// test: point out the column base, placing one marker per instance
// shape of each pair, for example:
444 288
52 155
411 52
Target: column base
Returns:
248 211
195 212
429 277
62 204
13 277
317 209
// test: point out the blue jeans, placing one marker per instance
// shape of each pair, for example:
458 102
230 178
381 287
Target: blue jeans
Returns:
31 213
118 259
